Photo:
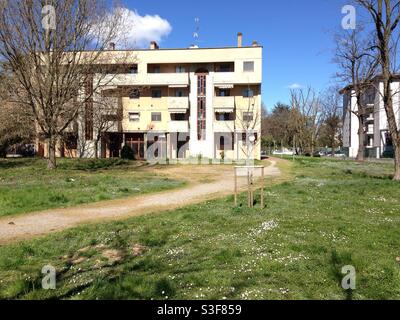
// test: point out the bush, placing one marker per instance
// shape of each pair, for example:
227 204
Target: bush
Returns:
127 153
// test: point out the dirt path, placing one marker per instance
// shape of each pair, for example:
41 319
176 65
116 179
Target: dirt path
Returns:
204 183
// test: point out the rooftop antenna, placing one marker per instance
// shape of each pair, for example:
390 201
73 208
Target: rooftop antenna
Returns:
196 31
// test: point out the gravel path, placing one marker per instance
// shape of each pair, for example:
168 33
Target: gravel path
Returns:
41 223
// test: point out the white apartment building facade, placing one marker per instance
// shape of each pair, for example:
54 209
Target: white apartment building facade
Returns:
377 139
179 103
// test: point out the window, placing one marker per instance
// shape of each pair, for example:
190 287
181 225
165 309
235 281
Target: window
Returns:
244 136
156 116
156 93
247 116
225 67
156 69
180 69
248 93
226 142
133 69
224 92
71 141
179 93
179 117
134 94
222 116
134 116
89 110
248 66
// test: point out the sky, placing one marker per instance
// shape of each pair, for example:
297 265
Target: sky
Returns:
297 35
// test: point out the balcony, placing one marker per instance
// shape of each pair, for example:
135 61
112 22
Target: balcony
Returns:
224 78
148 79
178 126
165 79
224 104
224 126
178 104
227 78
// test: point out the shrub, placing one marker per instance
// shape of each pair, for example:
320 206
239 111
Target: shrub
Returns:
127 153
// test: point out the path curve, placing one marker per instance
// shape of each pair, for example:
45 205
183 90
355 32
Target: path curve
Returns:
36 224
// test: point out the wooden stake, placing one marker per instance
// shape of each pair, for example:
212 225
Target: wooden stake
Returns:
248 189
262 187
235 188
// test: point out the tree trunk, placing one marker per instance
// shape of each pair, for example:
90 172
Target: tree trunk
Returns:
396 176
391 118
333 145
51 162
361 147
96 149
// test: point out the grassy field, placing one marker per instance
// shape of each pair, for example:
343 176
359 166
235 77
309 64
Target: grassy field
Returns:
26 185
328 215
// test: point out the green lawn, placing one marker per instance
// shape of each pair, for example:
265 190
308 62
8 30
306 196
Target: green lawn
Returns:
26 185
330 214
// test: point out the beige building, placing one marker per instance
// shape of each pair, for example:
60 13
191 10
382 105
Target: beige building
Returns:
178 103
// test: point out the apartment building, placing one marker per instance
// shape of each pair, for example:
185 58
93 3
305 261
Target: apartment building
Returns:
377 139
177 104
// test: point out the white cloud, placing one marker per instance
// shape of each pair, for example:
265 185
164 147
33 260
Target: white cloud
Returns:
295 86
138 31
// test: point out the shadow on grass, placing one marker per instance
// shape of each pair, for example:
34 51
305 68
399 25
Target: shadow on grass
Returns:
16 163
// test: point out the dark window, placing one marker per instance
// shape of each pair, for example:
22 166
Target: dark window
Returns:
134 94
388 139
248 93
201 85
226 142
244 136
179 93
225 68
133 69
156 116
248 116
156 69
223 116
180 69
201 107
224 92
156 93
71 141
89 109
178 117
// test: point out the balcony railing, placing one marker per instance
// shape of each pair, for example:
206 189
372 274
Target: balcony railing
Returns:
148 79
224 126
226 78
178 104
222 103
178 126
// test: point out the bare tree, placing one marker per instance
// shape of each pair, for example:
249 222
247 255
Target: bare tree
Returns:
52 48
107 114
307 117
385 15
330 134
250 122
356 59
16 123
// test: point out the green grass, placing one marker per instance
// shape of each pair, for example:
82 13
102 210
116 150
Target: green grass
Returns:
330 214
26 185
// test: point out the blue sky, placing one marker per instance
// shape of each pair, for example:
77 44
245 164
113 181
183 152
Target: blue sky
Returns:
296 35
